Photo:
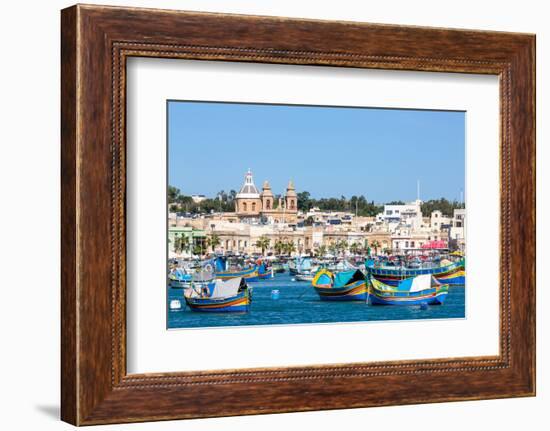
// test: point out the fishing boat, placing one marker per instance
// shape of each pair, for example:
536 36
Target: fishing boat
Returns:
278 267
451 273
264 272
222 271
179 278
420 290
220 296
342 286
300 265
303 268
304 276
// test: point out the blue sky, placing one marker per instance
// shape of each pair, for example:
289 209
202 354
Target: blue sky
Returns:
328 151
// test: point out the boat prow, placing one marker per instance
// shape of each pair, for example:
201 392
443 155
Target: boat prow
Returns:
342 286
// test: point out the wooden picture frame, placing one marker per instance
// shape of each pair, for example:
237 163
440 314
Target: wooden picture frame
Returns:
95 43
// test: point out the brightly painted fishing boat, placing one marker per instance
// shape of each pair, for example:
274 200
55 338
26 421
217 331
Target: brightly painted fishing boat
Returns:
420 290
300 265
263 272
220 296
179 278
342 286
223 273
452 273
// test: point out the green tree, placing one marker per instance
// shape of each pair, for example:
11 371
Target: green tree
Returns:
445 206
375 244
181 243
279 247
213 240
263 243
341 246
304 201
321 251
289 247
173 193
354 248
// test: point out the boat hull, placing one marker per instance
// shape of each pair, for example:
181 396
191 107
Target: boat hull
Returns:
353 292
453 274
249 274
436 298
179 284
236 304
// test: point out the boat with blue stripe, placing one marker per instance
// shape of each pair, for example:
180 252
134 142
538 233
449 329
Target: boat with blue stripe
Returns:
222 271
420 290
178 278
342 286
452 273
221 296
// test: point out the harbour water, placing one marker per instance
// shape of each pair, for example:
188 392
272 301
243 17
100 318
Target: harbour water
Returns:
298 303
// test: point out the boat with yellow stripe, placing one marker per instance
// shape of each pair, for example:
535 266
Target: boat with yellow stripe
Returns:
223 272
221 296
452 273
420 290
341 286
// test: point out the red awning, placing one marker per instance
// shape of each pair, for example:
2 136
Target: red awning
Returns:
435 244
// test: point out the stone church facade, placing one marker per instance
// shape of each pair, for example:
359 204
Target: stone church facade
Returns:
250 203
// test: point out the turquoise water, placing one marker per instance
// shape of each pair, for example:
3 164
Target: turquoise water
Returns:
298 303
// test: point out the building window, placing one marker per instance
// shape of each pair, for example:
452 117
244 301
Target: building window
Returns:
292 204
245 243
412 244
389 212
244 206
253 206
406 244
268 204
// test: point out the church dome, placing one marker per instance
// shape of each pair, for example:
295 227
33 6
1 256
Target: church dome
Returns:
248 189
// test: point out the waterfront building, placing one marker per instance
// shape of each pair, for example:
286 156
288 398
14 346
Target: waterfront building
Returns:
457 234
438 221
409 214
193 237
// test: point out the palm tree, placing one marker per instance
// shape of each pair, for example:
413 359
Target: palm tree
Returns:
289 247
181 243
354 248
279 247
341 246
263 243
375 244
213 241
321 251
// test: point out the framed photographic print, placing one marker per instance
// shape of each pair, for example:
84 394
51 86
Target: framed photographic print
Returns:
323 214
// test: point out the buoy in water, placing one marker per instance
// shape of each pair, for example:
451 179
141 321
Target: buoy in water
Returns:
275 294
175 304
292 279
